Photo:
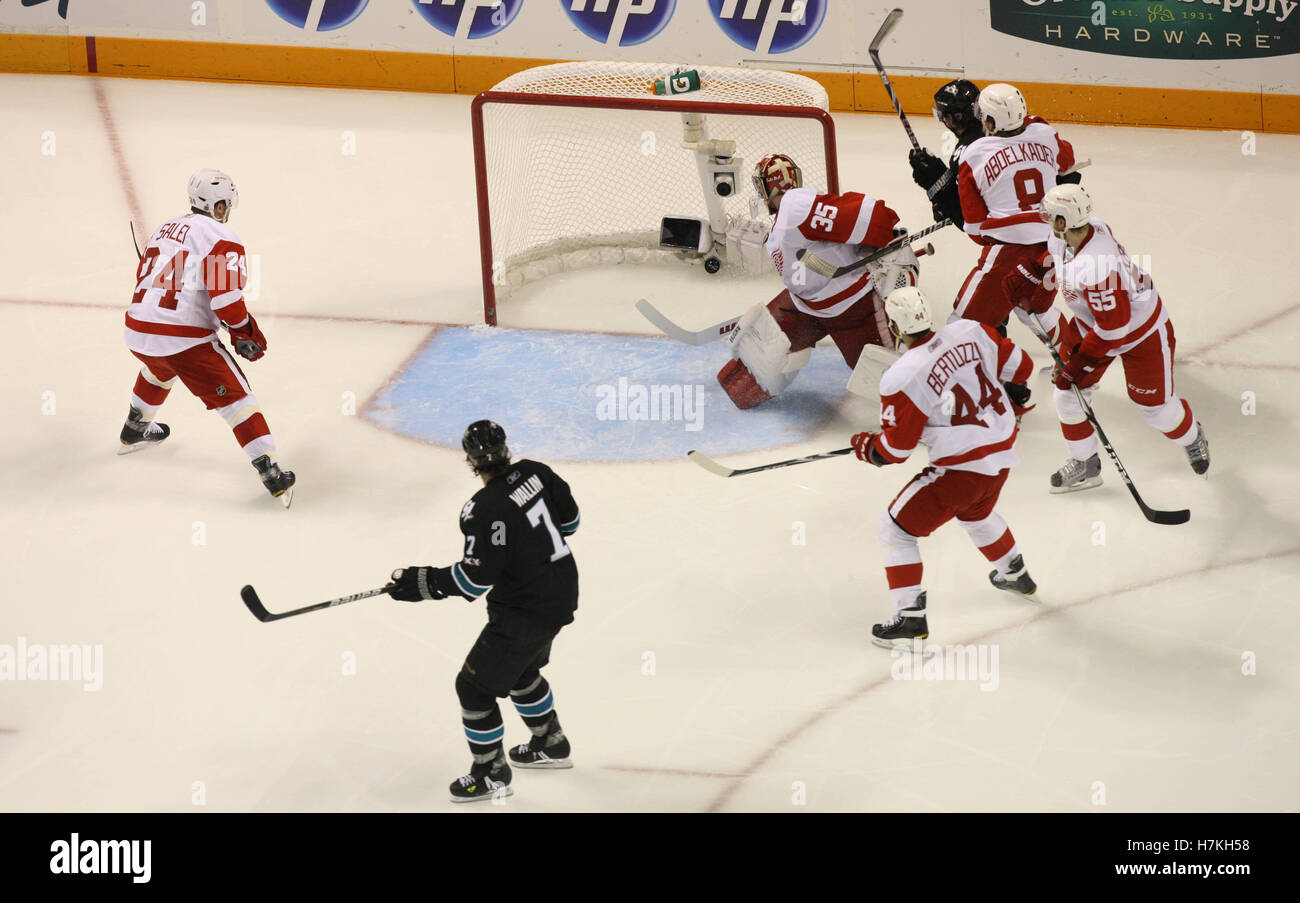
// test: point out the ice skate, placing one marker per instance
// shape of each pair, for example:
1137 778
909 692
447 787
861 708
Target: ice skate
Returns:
1076 475
139 434
277 482
485 781
1198 453
548 751
906 626
1017 580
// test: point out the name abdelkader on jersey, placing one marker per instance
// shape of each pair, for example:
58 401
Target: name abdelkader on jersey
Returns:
515 549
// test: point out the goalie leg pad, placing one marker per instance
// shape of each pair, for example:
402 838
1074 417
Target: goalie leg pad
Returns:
740 386
765 350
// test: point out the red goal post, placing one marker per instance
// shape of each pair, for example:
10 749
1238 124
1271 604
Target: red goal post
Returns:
576 163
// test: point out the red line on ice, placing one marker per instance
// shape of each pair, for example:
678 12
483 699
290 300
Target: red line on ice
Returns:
854 695
128 187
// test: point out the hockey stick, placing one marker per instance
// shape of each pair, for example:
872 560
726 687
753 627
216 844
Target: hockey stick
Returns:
672 330
874 51
1151 514
254 604
138 255
722 470
717 331
831 271
1076 167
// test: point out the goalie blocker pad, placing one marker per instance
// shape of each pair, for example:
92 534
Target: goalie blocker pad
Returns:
871 367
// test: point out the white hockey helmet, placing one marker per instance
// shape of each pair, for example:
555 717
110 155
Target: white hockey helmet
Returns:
208 186
1068 202
908 311
1005 105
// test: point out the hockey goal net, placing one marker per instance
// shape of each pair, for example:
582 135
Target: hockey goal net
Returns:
576 164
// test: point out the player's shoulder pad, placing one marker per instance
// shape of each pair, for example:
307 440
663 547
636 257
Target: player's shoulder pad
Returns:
795 205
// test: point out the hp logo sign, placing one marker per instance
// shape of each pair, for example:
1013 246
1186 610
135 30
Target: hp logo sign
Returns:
469 18
769 26
329 14
619 23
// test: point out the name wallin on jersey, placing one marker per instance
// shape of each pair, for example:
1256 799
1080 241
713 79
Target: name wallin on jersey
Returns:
530 488
660 403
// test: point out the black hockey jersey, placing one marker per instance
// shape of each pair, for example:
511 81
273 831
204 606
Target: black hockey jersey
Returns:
514 543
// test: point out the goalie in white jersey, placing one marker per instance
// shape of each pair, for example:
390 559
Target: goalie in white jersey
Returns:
1117 314
773 341
960 392
189 283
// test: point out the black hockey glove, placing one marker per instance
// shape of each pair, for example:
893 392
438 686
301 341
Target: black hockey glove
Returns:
1019 395
926 167
1071 178
416 584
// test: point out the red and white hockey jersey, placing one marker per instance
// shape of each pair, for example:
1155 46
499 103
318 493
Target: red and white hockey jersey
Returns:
189 281
1114 301
832 226
1001 179
947 395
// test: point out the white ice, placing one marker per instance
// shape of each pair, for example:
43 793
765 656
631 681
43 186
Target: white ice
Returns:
1158 671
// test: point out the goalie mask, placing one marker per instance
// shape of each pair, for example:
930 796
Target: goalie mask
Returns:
776 174
209 186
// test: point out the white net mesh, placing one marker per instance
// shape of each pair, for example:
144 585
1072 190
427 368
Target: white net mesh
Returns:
572 186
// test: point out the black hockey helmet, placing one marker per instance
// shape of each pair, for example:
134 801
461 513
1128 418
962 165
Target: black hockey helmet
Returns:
485 446
957 99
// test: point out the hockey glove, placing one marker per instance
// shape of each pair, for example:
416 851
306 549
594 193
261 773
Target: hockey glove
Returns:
1081 369
249 341
417 584
926 167
1070 178
1019 395
863 451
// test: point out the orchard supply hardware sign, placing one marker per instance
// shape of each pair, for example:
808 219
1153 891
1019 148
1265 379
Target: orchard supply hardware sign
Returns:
1156 29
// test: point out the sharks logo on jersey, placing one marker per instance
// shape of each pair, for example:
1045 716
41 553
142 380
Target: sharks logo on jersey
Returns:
331 14
469 18
769 26
619 23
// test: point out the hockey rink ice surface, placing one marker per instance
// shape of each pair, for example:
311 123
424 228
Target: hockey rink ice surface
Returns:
720 660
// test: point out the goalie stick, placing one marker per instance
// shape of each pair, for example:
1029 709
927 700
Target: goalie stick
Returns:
1151 514
831 271
873 50
716 331
254 604
722 470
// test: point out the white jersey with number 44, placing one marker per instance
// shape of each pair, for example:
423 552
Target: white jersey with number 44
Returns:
947 395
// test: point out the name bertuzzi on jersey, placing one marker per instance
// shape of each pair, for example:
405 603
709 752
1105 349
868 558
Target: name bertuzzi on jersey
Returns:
517 557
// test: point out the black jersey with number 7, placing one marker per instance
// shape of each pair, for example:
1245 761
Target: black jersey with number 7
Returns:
515 549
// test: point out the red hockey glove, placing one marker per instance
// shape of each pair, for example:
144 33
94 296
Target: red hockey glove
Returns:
1080 370
861 443
249 341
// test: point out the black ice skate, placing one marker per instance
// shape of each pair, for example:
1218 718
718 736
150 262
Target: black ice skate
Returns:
485 781
906 626
1076 475
277 482
1017 580
548 751
138 433
1198 453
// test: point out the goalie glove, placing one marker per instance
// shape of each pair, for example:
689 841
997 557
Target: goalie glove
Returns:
896 269
250 344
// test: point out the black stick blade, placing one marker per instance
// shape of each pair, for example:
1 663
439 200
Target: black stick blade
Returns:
254 604
1170 518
